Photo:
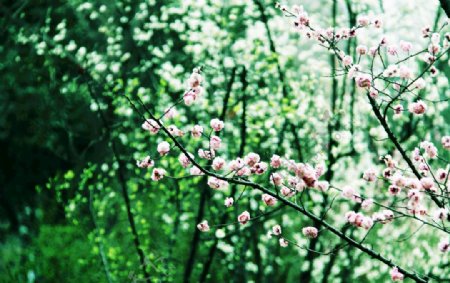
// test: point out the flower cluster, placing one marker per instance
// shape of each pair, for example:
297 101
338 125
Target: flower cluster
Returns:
195 89
359 220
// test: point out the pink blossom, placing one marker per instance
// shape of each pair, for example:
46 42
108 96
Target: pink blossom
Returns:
418 107
416 155
269 200
203 226
370 175
445 141
352 71
229 202
367 223
320 169
216 124
216 183
389 161
307 173
373 93
378 23
398 109
276 179
435 38
414 195
195 79
251 159
163 148
427 183
363 81
244 171
276 230
244 217
188 99
206 154
429 148
218 163
170 112
174 131
320 185
302 19
151 126
399 180
388 173
367 204
444 245
275 161
259 168
348 192
441 214
215 142
363 20
147 162
391 71
362 50
283 242
441 174
192 95
396 275
419 84
414 183
196 171
394 190
287 192
236 164
347 60
433 71
158 174
197 131
392 50
184 160
359 220
383 217
434 48
405 72
405 46
310 232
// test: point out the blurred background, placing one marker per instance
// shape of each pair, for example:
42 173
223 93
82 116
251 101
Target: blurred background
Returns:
74 206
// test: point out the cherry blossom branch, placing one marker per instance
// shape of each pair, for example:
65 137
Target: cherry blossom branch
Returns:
296 207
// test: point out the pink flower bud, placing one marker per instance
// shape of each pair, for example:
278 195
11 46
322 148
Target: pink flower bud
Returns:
445 141
276 230
244 217
310 232
158 174
215 142
229 202
251 159
417 108
163 148
197 131
269 200
216 124
203 226
151 126
218 163
396 275
275 161
145 163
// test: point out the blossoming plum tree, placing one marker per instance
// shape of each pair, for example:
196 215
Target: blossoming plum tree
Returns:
297 135
417 181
